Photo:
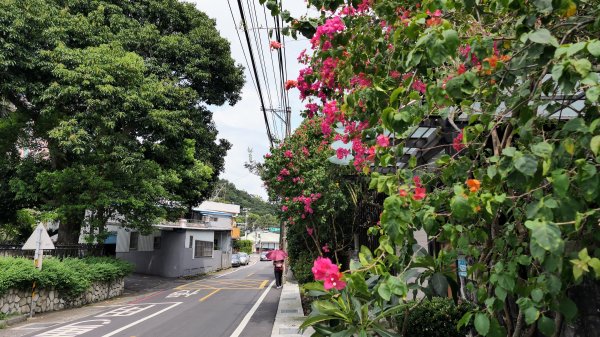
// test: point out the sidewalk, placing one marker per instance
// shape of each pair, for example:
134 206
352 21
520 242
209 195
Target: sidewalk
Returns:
289 312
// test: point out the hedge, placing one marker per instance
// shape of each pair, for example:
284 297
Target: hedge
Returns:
437 317
70 276
243 246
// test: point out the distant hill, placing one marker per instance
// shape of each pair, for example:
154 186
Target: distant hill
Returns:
225 191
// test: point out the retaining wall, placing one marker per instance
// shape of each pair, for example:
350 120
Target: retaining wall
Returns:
16 301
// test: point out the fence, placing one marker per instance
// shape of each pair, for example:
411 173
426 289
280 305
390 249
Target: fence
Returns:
61 251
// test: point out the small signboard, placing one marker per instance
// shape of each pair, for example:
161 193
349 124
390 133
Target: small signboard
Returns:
38 241
462 266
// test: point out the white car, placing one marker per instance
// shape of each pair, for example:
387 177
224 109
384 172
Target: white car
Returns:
244 258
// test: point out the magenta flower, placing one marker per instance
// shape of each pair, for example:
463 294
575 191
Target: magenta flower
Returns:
383 141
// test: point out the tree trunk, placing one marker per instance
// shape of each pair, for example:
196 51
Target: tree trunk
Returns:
70 227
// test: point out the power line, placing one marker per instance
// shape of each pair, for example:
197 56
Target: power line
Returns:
259 48
241 44
262 101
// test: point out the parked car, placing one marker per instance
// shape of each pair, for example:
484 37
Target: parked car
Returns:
244 258
263 256
235 260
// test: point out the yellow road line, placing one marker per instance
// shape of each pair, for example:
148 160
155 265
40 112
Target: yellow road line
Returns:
263 284
209 295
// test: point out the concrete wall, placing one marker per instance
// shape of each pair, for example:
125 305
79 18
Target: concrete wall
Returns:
16 301
175 257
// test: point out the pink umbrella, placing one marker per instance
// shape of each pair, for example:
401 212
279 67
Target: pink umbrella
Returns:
276 255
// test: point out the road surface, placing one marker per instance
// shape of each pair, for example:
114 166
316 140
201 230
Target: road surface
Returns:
240 303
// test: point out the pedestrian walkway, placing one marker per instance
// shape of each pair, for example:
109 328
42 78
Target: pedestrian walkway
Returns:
289 312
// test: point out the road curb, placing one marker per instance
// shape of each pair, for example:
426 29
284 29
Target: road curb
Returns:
13 320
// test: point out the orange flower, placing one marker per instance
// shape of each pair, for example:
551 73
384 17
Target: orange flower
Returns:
492 60
474 185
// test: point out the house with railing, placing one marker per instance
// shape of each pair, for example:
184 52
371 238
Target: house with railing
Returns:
199 244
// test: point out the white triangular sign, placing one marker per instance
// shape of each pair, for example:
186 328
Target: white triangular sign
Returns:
41 234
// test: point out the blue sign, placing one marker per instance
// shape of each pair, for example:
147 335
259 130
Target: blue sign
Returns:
462 267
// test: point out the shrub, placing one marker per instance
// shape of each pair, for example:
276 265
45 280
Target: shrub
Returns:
70 276
301 266
243 246
437 317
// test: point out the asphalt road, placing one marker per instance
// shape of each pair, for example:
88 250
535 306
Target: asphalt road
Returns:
240 303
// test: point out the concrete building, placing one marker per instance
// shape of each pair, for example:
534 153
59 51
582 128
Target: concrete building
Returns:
192 246
263 240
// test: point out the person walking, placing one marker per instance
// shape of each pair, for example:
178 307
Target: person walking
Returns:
278 267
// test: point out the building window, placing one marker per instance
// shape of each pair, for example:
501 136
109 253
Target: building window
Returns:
214 219
203 249
217 246
133 240
191 245
157 242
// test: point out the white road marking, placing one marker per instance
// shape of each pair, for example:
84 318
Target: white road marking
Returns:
141 320
186 293
125 311
246 319
74 329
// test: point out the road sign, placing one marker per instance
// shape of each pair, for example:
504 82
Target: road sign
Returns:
462 267
39 240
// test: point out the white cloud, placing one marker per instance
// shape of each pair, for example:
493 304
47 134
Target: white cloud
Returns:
243 124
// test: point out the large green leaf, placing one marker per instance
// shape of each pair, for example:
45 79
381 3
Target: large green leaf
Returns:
546 235
439 284
546 326
543 36
526 164
482 324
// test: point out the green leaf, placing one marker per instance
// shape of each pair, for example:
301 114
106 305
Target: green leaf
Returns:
546 235
482 324
593 93
311 320
568 308
464 321
594 47
439 284
526 164
543 6
546 326
531 315
582 66
560 182
543 36
595 145
384 291
537 295
542 149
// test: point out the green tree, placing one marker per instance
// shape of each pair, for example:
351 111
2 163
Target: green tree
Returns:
226 191
114 96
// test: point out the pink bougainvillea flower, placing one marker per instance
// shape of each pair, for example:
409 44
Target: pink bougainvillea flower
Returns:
305 151
326 248
383 141
284 172
461 69
288 154
419 86
268 155
290 84
342 153
310 230
395 74
457 142
322 267
417 181
334 281
402 193
275 45
419 194
284 208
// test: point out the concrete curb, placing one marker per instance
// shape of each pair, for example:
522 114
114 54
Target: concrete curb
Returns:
289 312
13 320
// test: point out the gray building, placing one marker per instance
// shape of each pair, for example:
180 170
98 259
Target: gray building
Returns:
187 247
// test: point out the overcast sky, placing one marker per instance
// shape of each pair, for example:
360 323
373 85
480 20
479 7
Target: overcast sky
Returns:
243 124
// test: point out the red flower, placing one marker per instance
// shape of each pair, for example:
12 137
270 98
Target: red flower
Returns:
334 281
461 69
419 193
402 193
417 181
290 84
457 143
275 45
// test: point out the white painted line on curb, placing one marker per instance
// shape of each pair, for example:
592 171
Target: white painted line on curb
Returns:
246 319
141 320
